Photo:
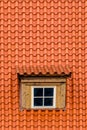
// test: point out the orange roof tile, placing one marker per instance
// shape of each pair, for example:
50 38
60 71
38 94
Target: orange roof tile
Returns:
43 33
44 70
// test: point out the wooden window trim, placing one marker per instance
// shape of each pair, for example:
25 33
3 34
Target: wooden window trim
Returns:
44 81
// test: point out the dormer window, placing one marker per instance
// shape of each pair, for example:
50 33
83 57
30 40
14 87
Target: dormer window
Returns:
43 90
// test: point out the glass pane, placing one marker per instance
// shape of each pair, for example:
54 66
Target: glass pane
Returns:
48 91
38 91
38 101
48 101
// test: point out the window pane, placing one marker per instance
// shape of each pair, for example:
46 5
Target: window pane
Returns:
38 91
38 101
48 101
48 91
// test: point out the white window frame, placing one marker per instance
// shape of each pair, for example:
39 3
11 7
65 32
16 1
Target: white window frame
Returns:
42 107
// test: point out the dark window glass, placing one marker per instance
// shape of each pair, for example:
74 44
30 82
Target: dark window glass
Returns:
48 91
48 101
38 101
42 96
38 91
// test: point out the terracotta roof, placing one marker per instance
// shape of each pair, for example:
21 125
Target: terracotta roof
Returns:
43 33
44 70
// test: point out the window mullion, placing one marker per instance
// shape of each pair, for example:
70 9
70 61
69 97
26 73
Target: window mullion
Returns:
43 96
